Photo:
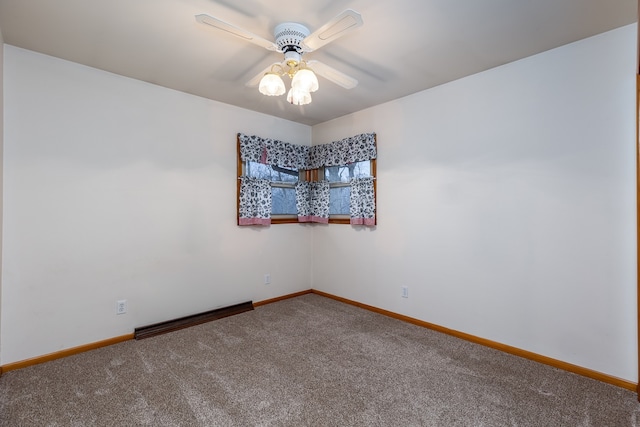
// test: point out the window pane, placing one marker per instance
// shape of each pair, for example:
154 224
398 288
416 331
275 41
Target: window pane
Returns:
339 200
272 173
283 201
346 172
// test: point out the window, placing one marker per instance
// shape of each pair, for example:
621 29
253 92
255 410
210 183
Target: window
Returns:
342 192
339 178
283 182
283 191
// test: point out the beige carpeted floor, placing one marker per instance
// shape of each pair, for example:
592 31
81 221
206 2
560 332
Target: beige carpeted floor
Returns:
307 361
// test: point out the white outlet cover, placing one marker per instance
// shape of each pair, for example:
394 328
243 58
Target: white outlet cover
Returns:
121 306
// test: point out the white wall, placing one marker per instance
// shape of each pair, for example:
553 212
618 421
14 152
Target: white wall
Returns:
118 189
507 205
1 170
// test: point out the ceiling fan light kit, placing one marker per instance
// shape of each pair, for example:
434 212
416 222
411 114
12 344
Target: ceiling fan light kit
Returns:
298 96
293 39
305 80
272 85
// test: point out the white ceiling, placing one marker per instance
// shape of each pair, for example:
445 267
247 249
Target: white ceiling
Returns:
405 46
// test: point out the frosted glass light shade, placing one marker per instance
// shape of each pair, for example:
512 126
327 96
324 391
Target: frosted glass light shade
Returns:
298 97
305 80
272 85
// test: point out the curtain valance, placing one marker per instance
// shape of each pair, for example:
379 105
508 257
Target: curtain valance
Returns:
273 152
357 148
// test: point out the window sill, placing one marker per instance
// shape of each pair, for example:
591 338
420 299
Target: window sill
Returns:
294 220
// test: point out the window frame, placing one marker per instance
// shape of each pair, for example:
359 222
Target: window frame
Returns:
346 218
275 219
309 175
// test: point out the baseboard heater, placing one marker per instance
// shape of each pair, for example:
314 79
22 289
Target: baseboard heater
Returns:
187 321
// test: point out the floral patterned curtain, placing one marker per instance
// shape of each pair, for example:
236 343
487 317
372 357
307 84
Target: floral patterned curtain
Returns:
357 148
251 148
273 152
255 202
312 198
312 201
363 204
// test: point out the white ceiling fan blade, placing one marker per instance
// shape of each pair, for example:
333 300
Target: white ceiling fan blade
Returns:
332 74
255 81
238 32
340 25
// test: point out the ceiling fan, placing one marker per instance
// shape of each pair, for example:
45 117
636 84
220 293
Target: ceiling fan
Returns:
294 40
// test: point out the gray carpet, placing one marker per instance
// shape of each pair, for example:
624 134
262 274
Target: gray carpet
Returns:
307 361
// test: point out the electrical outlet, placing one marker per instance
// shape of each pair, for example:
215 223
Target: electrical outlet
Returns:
267 279
405 292
121 306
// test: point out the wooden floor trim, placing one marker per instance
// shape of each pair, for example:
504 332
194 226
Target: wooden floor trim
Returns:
585 372
284 297
64 353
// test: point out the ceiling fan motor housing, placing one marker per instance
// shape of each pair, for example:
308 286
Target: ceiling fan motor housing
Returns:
289 36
